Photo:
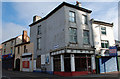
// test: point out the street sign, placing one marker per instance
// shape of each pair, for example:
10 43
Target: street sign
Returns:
98 56
113 51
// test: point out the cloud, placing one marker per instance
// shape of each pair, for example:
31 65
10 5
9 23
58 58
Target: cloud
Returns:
60 0
10 30
107 12
26 10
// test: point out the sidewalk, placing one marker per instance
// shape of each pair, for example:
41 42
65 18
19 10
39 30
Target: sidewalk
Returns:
108 74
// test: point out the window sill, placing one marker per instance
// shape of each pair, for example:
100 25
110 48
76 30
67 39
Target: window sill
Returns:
73 43
72 22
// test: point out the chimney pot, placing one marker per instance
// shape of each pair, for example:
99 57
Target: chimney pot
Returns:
36 18
78 4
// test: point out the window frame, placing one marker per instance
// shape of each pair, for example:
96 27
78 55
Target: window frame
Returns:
25 49
103 42
85 19
70 17
87 37
38 43
18 50
103 30
11 43
39 30
74 37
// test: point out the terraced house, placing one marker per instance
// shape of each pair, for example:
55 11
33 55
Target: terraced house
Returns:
103 41
8 50
63 41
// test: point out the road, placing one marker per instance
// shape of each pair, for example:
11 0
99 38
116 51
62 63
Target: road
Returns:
37 75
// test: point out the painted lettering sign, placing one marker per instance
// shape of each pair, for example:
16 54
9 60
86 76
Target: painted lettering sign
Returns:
25 64
113 51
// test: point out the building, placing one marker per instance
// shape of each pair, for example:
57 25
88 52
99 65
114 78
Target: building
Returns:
0 53
103 41
8 50
24 56
63 41
117 43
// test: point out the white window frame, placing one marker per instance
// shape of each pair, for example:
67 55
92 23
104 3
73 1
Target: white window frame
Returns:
104 42
84 19
72 16
103 30
73 35
86 37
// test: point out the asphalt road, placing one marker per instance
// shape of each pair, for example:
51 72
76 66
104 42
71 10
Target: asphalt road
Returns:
37 75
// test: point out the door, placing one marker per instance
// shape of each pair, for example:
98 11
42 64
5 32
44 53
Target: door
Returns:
18 64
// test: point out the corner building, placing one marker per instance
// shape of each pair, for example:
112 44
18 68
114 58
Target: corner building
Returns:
63 41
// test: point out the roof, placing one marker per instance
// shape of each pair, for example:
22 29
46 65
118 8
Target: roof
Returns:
57 8
9 40
102 23
22 43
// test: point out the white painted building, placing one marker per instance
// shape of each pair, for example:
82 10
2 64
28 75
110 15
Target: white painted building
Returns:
103 39
103 36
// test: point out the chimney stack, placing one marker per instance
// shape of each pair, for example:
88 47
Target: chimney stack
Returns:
24 36
78 4
36 18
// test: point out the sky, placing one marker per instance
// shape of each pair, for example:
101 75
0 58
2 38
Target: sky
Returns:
16 16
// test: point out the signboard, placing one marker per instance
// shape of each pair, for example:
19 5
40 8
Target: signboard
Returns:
25 64
7 55
42 59
113 51
56 46
47 59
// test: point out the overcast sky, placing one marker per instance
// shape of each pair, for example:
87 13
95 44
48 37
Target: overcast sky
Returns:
16 16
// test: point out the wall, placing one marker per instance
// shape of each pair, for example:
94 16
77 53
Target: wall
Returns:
8 47
19 40
108 64
52 33
29 48
80 27
98 36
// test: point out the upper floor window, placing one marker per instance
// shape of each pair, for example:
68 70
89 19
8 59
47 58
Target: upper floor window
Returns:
103 30
86 37
4 45
39 29
73 35
71 16
84 19
4 51
11 43
18 50
104 44
38 43
25 51
11 50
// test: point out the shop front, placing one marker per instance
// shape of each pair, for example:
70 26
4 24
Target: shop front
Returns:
26 62
8 61
73 62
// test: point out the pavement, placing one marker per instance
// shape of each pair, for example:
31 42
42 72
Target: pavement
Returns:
37 75
0 69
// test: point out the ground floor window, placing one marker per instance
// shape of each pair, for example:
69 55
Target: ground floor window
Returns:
57 63
67 64
82 62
